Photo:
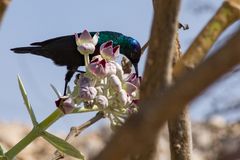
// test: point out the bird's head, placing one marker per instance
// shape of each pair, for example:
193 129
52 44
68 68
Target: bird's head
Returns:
134 53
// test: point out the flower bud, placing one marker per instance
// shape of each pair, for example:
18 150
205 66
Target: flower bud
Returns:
101 101
119 70
87 93
108 52
86 43
98 68
130 88
86 48
68 106
122 97
84 81
134 79
65 104
110 69
115 83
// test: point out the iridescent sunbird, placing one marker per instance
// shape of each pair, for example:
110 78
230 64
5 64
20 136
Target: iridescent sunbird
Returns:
63 50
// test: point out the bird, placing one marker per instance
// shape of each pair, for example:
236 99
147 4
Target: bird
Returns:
63 50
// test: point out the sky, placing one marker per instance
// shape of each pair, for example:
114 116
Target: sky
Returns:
33 21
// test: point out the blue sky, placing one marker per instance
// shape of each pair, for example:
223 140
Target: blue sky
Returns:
39 20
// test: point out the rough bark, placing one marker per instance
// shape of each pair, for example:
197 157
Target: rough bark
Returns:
141 129
158 73
180 133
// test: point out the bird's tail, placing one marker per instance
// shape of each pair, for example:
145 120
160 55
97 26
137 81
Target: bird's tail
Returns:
23 50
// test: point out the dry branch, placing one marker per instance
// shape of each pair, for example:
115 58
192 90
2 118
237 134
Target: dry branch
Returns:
180 129
3 7
75 131
141 129
160 53
157 76
227 14
180 132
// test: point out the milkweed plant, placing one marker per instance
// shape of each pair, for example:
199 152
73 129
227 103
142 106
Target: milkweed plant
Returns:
102 88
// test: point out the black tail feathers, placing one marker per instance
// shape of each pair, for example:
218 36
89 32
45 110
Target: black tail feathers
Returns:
26 49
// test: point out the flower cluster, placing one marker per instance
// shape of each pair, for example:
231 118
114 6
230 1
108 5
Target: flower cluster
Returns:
104 85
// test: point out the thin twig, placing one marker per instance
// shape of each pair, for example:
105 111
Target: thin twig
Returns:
75 131
141 129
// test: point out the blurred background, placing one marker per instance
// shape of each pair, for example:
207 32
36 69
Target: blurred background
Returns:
31 21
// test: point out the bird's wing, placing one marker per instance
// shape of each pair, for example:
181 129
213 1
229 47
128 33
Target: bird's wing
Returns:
43 43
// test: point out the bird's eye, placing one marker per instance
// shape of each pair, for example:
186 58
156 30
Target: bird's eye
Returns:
132 54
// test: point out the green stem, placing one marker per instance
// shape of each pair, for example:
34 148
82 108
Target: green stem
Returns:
36 132
86 59
50 119
84 110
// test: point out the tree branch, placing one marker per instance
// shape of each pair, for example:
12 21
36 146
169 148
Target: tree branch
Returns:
180 133
3 7
160 54
180 129
227 14
158 73
141 129
75 131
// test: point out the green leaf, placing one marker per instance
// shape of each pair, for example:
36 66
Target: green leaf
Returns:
1 151
28 105
55 90
62 145
3 158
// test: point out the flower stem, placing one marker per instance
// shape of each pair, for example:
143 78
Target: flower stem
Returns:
84 110
36 132
86 59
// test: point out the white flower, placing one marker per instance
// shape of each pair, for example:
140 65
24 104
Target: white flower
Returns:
86 43
98 68
119 70
87 93
68 106
65 104
110 68
101 101
115 83
109 52
122 97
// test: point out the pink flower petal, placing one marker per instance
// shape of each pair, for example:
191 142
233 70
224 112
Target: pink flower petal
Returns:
85 37
98 68
101 101
106 44
65 104
132 78
130 88
116 51
87 93
68 106
86 48
96 59
115 83
77 39
95 38
107 53
110 69
122 97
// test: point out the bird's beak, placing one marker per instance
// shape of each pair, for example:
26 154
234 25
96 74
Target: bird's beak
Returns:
135 65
